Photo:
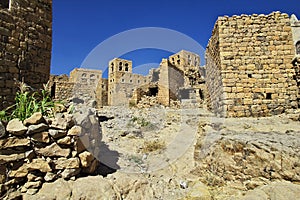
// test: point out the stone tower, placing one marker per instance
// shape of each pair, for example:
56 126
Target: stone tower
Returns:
117 69
249 65
25 45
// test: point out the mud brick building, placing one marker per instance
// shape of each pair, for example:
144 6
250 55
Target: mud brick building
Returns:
249 65
25 45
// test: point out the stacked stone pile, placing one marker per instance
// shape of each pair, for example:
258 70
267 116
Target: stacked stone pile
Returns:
147 102
41 149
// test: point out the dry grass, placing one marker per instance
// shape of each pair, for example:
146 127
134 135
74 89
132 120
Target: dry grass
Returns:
155 145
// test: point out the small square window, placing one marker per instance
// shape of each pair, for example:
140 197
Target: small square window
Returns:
269 96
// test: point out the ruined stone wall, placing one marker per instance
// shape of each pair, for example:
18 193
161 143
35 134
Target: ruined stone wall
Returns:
60 87
123 90
213 77
170 80
163 84
249 62
175 81
25 45
104 92
189 63
295 23
86 83
296 63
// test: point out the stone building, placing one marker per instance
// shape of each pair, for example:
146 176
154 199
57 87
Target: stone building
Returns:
122 82
295 23
83 86
249 69
178 81
177 78
25 45
61 88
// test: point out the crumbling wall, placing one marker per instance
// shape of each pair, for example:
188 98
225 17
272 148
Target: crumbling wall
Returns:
170 80
86 82
295 24
25 45
213 72
249 70
296 64
60 87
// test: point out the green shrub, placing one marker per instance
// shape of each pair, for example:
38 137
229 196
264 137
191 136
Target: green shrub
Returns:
140 121
27 103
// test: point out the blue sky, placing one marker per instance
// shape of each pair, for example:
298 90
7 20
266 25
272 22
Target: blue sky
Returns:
79 26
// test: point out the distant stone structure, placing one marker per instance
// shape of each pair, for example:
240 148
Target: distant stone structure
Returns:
295 23
122 82
249 69
172 81
84 85
25 45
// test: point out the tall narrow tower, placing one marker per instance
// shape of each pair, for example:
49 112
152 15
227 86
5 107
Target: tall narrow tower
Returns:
117 68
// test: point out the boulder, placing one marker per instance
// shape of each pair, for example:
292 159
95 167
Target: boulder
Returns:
64 163
65 141
57 133
59 190
86 158
62 122
32 184
16 127
75 131
14 142
68 173
50 176
198 191
35 119
91 168
82 143
93 187
53 150
42 137
37 128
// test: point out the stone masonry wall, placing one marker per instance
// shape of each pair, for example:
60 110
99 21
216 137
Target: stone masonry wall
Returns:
249 61
213 73
296 63
25 45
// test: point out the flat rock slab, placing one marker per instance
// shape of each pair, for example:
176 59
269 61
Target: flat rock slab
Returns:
37 128
16 127
10 158
14 142
36 118
36 164
53 150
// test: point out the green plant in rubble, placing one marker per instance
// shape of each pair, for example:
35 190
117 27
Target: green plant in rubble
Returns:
140 121
27 103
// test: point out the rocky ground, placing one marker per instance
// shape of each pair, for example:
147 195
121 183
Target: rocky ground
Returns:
164 153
